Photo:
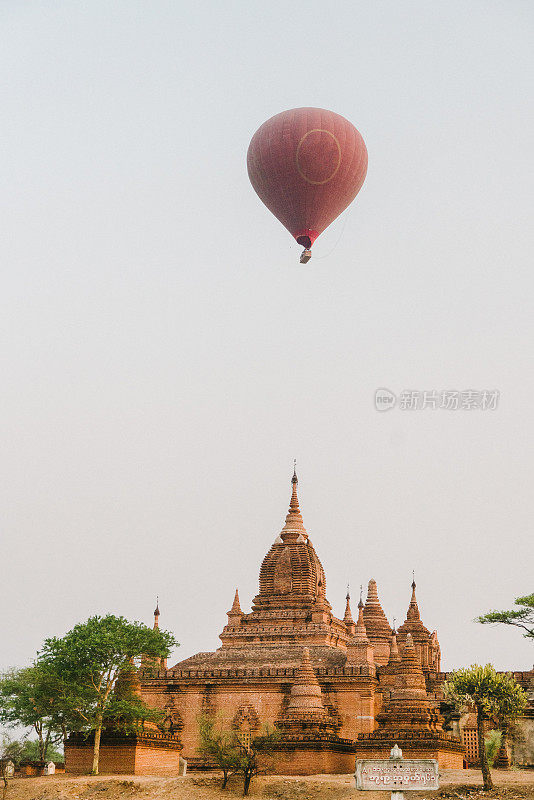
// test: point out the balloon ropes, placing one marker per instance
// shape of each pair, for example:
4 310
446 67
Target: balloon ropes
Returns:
307 165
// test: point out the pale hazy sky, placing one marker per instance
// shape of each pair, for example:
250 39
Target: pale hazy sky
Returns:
165 357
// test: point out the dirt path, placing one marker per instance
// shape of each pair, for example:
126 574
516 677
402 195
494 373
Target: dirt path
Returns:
455 785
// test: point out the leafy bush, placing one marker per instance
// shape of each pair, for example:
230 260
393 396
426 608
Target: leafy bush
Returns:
493 743
17 750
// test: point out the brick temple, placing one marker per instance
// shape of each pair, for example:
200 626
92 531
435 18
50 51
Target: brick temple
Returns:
334 688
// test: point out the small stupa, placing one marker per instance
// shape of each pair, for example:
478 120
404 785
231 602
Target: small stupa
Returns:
307 726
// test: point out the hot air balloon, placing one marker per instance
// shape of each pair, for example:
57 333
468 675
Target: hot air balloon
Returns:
307 165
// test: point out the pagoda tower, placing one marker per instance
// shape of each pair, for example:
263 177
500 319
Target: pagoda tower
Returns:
408 707
409 719
309 733
291 610
306 709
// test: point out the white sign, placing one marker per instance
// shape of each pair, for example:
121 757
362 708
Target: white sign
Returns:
397 775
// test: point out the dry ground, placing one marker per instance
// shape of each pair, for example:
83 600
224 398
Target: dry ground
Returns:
455 785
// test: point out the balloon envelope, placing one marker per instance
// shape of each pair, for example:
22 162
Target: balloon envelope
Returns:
307 165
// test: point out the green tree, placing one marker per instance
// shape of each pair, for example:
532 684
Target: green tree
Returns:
522 617
30 697
126 708
492 694
88 661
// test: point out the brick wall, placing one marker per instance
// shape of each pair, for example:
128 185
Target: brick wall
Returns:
112 760
156 761
131 759
307 762
224 703
356 712
356 707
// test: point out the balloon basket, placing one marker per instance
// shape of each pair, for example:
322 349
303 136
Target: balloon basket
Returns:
305 256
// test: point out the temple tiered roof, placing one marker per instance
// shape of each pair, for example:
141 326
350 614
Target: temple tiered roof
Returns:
291 574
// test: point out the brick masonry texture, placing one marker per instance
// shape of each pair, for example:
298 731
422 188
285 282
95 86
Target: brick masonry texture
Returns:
131 759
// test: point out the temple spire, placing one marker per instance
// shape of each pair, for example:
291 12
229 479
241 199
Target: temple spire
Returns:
360 633
236 608
294 525
294 502
426 650
413 608
151 661
394 655
235 615
348 612
347 619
